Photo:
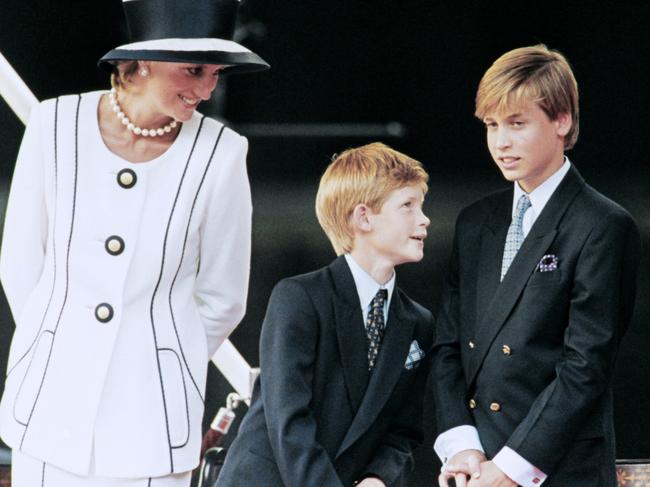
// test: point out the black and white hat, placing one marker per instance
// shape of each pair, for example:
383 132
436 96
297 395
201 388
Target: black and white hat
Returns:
184 31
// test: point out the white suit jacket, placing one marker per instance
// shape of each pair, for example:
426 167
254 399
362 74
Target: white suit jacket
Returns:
123 279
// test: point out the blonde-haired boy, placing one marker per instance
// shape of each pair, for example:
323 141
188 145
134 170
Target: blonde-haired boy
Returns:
344 353
363 176
540 291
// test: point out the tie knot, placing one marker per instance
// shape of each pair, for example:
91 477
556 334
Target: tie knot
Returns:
522 205
380 297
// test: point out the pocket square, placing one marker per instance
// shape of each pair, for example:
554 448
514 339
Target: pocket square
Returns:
548 263
415 355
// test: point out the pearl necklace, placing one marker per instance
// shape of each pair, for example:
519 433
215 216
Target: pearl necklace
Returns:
112 96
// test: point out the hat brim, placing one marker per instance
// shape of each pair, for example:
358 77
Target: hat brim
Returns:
197 51
238 62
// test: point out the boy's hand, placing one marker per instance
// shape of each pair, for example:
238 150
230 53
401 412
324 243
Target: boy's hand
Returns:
491 476
461 466
371 482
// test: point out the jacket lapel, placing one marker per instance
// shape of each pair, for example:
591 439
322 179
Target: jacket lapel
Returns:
493 237
390 365
532 250
350 332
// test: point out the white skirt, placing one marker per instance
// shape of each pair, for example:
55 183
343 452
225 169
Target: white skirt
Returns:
29 472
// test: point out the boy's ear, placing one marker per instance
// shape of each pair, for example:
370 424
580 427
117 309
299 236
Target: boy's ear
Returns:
360 219
564 122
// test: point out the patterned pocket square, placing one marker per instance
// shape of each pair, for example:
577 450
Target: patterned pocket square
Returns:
415 355
547 263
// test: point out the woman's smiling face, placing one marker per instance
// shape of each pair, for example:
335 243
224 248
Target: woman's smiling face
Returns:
176 89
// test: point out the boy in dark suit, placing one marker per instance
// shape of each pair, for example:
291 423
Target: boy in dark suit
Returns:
344 353
539 294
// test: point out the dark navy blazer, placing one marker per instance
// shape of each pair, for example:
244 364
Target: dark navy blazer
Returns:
318 417
529 360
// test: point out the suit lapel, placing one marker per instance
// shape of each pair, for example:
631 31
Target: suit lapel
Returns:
493 237
390 365
532 250
350 331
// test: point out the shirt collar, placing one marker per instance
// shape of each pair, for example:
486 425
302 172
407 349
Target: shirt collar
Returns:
542 193
367 287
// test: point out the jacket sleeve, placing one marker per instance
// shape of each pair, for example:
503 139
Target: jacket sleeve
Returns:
24 237
221 285
602 298
287 354
448 379
393 460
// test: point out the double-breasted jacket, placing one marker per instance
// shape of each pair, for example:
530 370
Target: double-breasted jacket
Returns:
123 279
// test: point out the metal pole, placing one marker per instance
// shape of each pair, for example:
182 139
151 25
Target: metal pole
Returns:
15 92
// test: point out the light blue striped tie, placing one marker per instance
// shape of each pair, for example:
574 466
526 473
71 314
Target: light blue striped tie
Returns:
515 234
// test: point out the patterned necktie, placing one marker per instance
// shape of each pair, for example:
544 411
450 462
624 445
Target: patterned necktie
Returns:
515 234
375 326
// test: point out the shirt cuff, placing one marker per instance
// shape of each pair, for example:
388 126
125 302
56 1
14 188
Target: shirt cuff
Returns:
518 468
455 440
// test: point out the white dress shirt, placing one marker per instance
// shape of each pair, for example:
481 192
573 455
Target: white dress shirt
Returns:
466 437
367 287
539 196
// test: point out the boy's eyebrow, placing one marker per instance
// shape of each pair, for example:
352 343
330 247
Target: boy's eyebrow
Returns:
509 116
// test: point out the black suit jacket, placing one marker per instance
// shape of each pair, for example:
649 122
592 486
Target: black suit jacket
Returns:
535 353
318 417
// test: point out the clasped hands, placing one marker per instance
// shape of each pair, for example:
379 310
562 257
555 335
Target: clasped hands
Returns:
470 468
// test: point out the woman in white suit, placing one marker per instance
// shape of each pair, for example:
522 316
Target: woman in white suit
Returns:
125 258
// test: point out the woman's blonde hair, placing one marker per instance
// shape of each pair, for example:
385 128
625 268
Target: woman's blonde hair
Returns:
534 73
364 175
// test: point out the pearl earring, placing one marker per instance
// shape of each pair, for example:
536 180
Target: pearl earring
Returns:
144 72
